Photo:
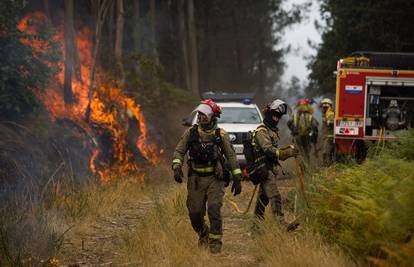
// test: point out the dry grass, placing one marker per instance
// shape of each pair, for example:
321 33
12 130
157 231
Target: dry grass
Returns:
95 201
165 238
161 234
275 247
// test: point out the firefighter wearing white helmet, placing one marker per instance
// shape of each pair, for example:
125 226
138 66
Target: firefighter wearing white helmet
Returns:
209 152
268 154
328 120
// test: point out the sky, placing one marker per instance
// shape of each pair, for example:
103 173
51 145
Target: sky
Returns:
297 36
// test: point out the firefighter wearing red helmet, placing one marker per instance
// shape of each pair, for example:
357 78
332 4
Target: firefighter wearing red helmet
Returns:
211 159
304 127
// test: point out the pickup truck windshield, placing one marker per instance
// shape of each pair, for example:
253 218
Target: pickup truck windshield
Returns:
239 115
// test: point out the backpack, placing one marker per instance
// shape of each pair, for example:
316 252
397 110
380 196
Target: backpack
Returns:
203 152
255 163
302 121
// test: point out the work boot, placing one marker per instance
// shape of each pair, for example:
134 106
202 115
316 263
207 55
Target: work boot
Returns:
215 245
203 238
292 226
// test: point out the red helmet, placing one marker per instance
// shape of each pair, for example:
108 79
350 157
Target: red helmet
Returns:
303 101
217 110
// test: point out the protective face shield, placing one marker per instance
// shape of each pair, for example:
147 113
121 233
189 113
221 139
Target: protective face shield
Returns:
278 108
205 109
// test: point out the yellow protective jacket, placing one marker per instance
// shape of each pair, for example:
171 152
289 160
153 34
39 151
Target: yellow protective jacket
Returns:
266 141
328 121
207 135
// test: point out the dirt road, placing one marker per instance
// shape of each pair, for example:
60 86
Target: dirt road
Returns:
98 242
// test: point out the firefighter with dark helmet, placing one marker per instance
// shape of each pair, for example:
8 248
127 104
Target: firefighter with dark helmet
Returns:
210 154
328 119
266 138
304 127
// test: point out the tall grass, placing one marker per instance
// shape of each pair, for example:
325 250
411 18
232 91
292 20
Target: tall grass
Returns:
275 247
370 207
97 201
30 234
165 238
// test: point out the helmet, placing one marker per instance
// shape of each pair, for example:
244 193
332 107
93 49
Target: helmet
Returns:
303 102
277 107
217 110
326 102
209 108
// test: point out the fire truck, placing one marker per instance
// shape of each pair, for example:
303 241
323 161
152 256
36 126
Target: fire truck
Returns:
374 99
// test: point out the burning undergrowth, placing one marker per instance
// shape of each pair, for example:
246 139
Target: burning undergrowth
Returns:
55 155
115 126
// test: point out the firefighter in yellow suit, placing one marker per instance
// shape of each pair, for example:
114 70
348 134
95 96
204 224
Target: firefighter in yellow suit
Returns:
327 131
304 128
205 144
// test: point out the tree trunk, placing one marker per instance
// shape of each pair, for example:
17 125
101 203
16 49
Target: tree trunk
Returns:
77 66
205 79
136 12
238 62
112 11
193 48
46 8
119 39
99 9
182 37
68 21
153 27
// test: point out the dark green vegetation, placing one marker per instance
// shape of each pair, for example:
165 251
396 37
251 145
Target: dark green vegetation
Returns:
383 26
22 70
368 209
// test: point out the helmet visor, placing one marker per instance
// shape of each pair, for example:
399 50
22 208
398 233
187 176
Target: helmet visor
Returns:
278 107
205 109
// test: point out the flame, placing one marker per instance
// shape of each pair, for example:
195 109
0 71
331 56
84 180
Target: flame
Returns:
111 109
30 25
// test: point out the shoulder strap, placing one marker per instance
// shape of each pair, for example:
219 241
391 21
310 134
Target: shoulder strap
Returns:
218 140
218 136
295 120
310 118
194 133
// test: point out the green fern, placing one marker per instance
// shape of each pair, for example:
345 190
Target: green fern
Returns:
364 208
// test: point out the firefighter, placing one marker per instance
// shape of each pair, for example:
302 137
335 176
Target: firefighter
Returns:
328 119
266 138
208 146
304 128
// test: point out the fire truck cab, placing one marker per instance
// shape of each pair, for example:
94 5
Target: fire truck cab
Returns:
374 99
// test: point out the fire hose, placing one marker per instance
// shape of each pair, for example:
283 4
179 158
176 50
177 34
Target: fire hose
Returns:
236 207
299 174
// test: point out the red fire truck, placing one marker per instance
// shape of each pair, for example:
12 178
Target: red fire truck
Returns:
374 99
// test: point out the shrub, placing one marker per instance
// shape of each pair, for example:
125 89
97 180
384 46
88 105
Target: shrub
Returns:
367 207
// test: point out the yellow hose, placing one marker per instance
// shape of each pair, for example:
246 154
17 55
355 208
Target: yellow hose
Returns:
299 173
236 207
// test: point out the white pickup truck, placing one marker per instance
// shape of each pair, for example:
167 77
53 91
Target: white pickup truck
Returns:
238 118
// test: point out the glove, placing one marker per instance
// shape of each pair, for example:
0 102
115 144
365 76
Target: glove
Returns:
287 152
178 175
236 186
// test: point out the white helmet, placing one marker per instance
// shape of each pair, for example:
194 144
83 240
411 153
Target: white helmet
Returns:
277 106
